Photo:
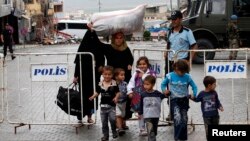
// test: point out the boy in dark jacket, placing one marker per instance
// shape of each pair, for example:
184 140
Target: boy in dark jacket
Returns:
210 103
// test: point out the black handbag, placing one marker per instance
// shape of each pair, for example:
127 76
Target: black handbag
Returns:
74 99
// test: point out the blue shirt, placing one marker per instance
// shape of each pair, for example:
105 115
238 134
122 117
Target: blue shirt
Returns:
178 85
181 40
210 103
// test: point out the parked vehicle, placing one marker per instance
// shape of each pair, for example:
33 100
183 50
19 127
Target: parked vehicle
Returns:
75 28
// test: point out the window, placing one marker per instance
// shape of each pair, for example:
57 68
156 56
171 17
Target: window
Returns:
77 26
28 1
61 26
218 7
241 8
6 1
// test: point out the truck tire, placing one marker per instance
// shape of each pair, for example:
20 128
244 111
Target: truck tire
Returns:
204 44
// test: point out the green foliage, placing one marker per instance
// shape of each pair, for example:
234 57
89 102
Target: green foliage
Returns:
146 35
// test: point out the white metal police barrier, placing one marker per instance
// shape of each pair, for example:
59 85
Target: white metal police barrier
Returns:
156 58
1 87
31 97
197 119
224 70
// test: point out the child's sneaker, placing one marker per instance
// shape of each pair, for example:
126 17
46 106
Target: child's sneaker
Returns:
143 133
79 122
115 136
13 57
121 132
104 138
125 128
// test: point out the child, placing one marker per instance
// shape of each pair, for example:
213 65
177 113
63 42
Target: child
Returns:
119 74
209 97
150 106
135 88
178 81
233 36
109 96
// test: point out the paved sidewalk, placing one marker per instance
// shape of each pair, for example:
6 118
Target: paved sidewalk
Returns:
67 132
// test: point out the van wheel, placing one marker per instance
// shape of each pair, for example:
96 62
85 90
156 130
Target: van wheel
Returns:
199 56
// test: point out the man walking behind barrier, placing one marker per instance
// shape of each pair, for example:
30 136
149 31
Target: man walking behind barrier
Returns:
233 36
7 39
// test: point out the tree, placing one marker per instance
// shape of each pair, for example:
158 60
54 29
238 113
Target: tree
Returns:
146 35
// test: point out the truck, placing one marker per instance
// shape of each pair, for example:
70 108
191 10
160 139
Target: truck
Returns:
208 20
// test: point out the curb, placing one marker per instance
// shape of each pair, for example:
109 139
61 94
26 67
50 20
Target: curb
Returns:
27 46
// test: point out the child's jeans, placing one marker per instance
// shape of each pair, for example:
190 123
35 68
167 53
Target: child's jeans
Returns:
210 121
179 109
108 114
141 123
152 125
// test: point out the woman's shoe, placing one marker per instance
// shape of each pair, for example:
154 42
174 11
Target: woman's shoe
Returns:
90 120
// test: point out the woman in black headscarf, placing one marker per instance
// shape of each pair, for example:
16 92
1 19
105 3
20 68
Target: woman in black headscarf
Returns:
118 55
85 78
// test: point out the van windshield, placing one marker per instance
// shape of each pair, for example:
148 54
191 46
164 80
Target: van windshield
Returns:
62 26
77 26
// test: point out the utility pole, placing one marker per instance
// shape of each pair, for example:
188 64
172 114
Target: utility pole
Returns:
99 4
171 6
178 4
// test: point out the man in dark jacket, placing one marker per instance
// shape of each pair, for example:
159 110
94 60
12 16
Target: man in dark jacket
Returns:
7 40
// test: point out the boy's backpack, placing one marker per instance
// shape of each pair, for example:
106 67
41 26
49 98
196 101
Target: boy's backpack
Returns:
138 89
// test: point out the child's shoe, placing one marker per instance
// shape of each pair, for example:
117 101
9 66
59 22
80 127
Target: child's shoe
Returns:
104 138
13 57
125 128
121 132
115 136
143 133
79 121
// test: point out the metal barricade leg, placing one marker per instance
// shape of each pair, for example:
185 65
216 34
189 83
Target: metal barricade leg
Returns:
2 88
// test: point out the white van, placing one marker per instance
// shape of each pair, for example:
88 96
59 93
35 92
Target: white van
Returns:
75 28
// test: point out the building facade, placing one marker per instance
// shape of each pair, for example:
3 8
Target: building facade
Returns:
40 14
32 20
11 12
157 12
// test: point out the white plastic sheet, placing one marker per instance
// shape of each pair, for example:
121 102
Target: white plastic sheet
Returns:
126 21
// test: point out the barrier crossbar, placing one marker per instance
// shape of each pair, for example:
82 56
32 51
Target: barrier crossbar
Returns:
232 104
236 105
32 86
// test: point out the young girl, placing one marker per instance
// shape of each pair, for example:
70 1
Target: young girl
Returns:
178 81
119 74
135 88
109 96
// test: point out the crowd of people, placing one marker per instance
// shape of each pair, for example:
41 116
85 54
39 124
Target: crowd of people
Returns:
123 94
